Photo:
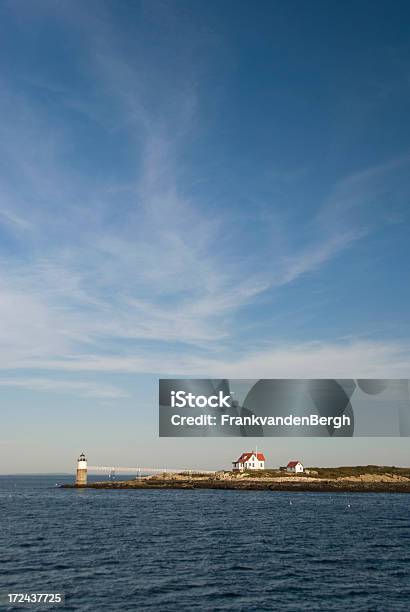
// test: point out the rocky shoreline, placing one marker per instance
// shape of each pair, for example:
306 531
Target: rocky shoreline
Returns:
286 484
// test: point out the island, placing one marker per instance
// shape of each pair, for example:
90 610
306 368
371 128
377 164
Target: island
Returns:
357 479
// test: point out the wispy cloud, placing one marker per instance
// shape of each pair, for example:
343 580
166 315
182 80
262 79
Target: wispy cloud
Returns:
307 360
10 217
366 198
313 257
130 272
84 389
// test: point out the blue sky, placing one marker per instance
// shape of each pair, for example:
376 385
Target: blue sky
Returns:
196 189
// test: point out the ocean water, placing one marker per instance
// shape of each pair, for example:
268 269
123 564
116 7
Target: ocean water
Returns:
204 550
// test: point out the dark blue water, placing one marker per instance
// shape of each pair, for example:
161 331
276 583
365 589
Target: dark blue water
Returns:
204 550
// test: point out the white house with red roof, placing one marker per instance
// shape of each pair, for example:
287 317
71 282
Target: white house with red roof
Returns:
249 461
295 466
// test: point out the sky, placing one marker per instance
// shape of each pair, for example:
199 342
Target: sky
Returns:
196 189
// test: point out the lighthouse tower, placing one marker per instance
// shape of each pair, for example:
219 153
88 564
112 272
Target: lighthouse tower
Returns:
81 477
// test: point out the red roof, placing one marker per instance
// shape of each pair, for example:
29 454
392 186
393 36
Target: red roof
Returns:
246 456
293 463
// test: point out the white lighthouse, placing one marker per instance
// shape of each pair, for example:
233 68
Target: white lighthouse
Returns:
81 477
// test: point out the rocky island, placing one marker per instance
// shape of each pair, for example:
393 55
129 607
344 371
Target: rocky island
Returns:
360 479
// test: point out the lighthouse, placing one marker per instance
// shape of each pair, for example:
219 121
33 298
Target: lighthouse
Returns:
81 477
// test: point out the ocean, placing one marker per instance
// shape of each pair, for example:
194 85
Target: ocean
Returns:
203 549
